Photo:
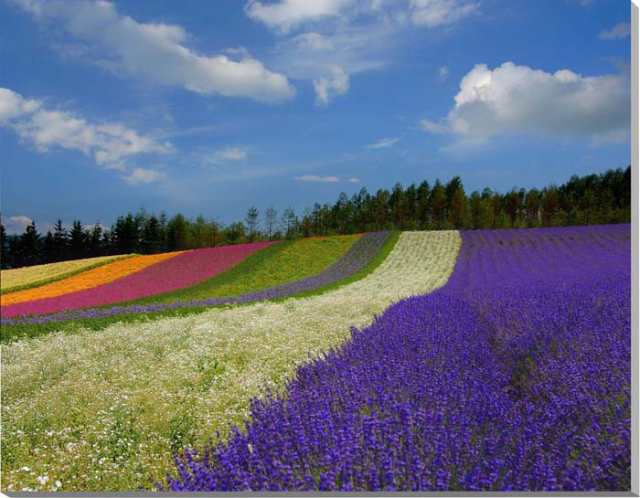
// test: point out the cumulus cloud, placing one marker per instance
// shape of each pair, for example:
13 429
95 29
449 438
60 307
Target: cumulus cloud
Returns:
158 52
335 83
110 145
383 143
285 14
433 13
520 99
16 224
619 31
143 176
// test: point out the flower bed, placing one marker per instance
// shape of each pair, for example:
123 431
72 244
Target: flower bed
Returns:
181 270
358 256
82 281
514 376
129 395
32 276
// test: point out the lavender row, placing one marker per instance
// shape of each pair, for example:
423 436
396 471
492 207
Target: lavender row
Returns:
358 256
514 376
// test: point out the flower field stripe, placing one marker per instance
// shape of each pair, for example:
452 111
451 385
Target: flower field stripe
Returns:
84 280
132 394
34 276
282 263
515 376
182 270
358 256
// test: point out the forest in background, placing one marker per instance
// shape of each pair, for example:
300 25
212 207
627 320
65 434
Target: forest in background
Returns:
590 199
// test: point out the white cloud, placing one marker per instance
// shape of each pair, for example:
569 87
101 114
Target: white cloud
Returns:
143 176
519 99
433 13
619 31
109 144
443 72
336 83
285 14
13 105
329 59
347 37
231 154
318 179
353 179
158 53
383 143
16 224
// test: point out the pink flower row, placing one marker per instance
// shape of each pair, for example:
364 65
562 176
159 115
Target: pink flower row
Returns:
182 271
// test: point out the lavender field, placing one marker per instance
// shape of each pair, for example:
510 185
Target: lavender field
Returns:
515 375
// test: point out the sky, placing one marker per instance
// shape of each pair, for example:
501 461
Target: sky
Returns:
211 107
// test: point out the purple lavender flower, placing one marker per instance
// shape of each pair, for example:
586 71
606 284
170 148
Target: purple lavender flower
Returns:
514 376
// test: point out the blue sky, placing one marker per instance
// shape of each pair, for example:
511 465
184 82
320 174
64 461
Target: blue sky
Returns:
210 107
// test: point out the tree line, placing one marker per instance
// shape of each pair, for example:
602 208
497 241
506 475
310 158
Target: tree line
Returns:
583 200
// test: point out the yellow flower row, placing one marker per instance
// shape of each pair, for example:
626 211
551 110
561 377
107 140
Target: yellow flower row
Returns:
31 275
88 279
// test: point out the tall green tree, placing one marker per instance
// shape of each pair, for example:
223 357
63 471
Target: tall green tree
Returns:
77 240
30 245
270 221
439 205
251 219
289 223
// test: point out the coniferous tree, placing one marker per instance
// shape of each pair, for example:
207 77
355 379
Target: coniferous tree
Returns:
48 248
126 235
4 247
270 221
289 223
177 233
77 240
151 240
94 241
61 242
457 204
251 220
30 245
439 205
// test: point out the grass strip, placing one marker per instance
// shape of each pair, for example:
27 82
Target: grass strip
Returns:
281 263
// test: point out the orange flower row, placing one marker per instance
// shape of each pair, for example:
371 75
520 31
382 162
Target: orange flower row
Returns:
88 279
